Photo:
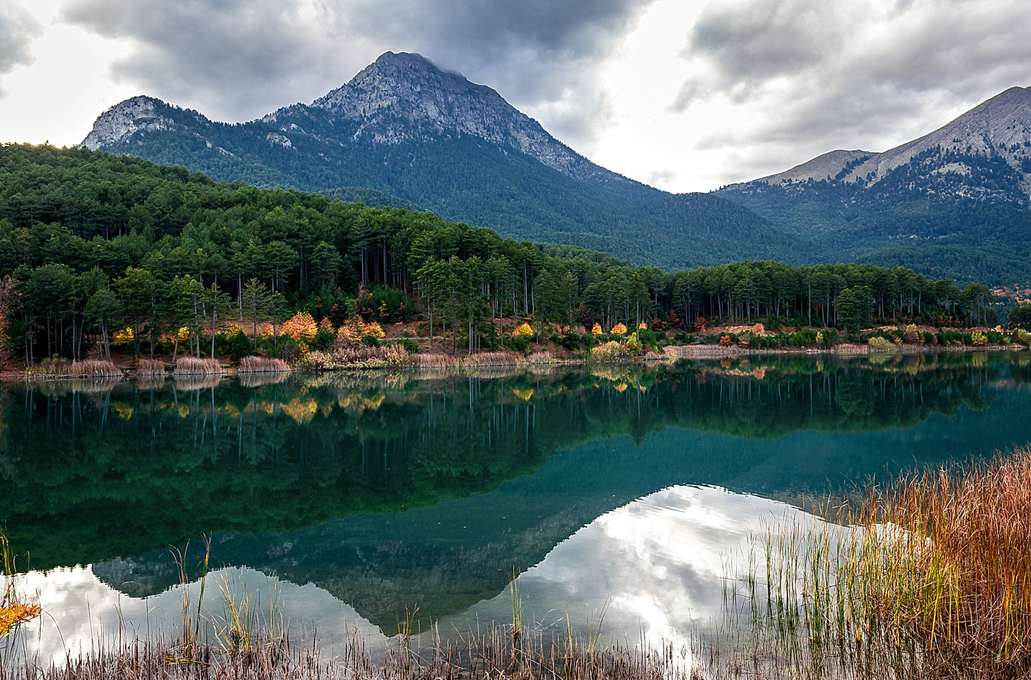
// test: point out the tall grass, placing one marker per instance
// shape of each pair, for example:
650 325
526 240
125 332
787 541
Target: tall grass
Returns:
481 655
487 359
61 368
254 364
388 356
928 577
197 366
150 368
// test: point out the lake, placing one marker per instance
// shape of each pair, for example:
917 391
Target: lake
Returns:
621 498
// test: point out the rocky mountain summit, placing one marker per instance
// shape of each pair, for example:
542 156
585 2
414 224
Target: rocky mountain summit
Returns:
139 114
400 98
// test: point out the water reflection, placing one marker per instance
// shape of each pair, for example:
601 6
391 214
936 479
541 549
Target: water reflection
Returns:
394 490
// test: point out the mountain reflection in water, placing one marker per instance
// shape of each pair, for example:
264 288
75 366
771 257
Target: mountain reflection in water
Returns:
395 491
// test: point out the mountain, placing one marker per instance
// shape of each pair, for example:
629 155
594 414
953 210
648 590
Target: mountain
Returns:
404 128
954 202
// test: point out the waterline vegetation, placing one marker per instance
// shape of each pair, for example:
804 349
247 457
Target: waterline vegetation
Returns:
928 577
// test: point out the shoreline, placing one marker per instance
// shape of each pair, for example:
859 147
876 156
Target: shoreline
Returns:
462 363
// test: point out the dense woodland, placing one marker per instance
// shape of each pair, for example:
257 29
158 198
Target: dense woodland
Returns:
94 243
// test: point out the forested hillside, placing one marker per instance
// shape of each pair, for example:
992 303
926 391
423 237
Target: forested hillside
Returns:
912 216
93 243
404 128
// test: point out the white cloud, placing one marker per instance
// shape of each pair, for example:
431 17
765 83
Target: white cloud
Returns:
685 94
18 28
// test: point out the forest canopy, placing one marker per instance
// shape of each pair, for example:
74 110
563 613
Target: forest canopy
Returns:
93 243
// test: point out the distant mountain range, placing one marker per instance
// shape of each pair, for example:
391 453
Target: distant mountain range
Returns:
951 203
403 133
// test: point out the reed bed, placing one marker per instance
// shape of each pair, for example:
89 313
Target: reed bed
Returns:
488 656
929 577
542 358
255 364
60 368
150 368
190 366
434 360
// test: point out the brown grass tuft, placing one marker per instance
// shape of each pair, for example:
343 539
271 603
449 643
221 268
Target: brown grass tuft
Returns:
255 364
929 577
197 366
150 368
61 368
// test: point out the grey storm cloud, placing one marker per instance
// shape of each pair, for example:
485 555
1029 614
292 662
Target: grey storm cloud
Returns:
841 75
238 59
17 31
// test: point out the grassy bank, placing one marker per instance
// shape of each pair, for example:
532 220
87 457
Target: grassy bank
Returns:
929 577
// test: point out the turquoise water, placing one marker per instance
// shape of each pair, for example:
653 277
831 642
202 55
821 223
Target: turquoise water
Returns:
358 500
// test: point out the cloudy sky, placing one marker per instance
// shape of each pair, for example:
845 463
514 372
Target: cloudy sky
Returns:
686 95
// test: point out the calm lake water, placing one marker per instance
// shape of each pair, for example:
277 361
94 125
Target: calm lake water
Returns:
621 497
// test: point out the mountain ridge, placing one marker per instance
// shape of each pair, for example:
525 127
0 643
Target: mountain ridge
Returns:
1000 125
405 128
951 203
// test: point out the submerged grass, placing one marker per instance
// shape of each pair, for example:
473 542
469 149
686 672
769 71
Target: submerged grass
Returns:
929 577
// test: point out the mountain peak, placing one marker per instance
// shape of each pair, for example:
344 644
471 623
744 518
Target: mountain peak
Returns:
137 115
126 118
404 96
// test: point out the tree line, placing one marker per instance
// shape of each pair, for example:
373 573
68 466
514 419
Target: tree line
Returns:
93 244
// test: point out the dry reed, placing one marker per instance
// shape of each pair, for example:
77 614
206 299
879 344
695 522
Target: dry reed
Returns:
492 359
150 368
389 356
254 364
197 366
489 656
930 577
60 368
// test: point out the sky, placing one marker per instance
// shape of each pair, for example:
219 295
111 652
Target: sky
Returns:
685 95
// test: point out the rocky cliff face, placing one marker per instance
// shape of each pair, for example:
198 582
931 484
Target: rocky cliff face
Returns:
125 119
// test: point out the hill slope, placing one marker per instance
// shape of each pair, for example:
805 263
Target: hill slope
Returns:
405 128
